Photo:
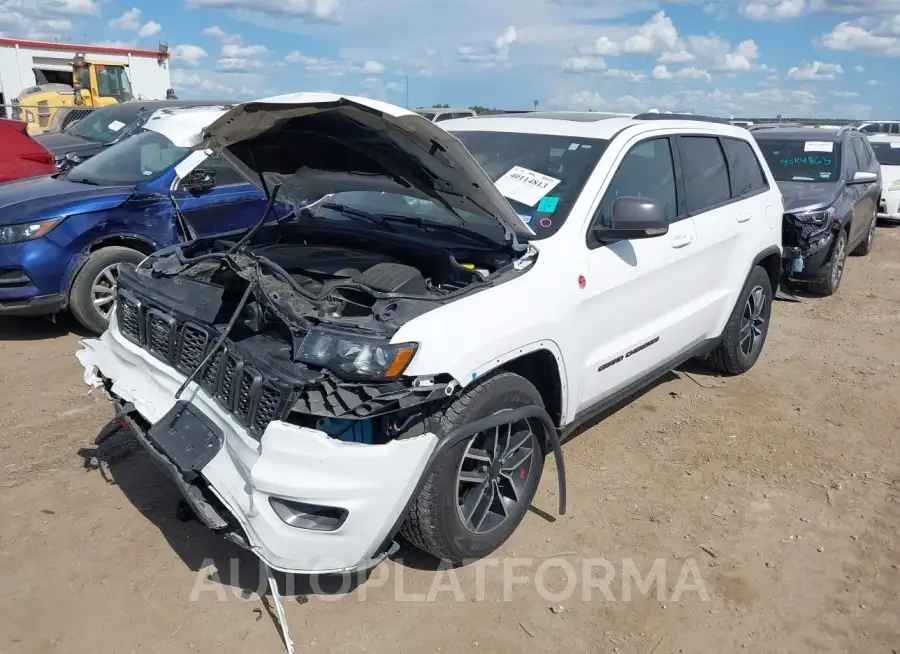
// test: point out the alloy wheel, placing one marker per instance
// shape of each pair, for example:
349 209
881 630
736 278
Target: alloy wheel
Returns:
103 290
494 474
837 265
753 321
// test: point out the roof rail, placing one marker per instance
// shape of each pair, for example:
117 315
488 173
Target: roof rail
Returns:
701 119
758 126
847 128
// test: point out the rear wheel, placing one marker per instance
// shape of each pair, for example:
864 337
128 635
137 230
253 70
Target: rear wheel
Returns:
478 493
834 270
93 293
747 327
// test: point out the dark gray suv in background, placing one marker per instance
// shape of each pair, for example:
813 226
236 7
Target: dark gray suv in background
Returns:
831 183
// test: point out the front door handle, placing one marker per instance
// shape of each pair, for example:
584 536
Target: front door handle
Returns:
743 217
681 240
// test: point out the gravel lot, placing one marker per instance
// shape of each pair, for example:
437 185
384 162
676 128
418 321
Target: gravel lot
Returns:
778 492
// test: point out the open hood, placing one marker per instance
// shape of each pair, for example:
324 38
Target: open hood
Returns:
315 144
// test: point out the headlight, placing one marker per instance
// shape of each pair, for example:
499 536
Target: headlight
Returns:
820 217
895 186
354 355
26 231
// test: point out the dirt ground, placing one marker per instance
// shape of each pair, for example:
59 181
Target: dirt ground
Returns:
778 492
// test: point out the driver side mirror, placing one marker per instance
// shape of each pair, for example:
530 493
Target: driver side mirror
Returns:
200 180
634 217
864 177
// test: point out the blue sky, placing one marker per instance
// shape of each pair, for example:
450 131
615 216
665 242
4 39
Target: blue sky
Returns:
721 57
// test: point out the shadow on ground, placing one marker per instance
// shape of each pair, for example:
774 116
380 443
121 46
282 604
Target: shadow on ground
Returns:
36 329
119 457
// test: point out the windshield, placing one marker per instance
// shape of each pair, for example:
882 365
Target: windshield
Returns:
888 154
104 125
141 158
510 159
797 160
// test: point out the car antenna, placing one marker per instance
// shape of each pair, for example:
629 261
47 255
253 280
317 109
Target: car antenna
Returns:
246 237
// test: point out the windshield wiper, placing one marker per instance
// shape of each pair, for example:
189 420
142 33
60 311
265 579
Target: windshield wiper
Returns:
83 180
423 224
352 212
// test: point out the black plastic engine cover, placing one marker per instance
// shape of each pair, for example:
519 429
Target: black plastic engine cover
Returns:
324 260
393 278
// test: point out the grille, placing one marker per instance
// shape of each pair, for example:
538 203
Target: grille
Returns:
253 399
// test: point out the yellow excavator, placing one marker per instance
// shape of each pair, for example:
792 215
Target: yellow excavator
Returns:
94 84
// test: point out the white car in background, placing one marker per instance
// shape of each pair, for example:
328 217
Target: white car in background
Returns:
887 151
880 127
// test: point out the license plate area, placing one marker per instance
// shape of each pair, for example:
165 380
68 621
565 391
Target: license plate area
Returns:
186 438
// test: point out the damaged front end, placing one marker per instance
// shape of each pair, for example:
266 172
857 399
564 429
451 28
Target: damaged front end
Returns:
278 358
807 237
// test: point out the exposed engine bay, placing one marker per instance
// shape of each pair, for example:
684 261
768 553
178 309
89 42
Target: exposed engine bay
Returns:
296 325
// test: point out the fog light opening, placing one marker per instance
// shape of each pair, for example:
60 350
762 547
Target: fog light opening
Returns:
308 516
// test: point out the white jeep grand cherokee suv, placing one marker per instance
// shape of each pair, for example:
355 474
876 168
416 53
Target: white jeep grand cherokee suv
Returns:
400 354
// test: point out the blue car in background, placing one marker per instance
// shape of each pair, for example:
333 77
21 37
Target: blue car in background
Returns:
63 237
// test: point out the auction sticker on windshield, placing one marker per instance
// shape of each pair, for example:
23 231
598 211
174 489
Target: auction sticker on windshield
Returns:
525 186
818 146
116 125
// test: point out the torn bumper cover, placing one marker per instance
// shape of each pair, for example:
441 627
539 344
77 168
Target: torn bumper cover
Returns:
806 248
305 502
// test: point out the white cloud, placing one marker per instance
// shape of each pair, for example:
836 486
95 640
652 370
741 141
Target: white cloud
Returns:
188 53
859 69
815 72
659 38
717 102
45 20
310 10
205 83
488 57
881 39
234 55
874 82
334 67
660 72
693 73
845 94
583 64
774 9
149 29
373 68
627 75
130 20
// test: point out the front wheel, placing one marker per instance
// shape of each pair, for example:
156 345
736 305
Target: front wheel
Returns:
834 270
478 493
93 293
747 327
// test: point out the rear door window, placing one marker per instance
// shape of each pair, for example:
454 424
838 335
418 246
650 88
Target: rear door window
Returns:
747 176
705 172
862 155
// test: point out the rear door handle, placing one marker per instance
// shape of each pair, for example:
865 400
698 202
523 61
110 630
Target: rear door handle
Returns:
681 240
743 217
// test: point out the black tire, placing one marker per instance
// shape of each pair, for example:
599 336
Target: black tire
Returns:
833 272
434 523
81 296
865 247
745 332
